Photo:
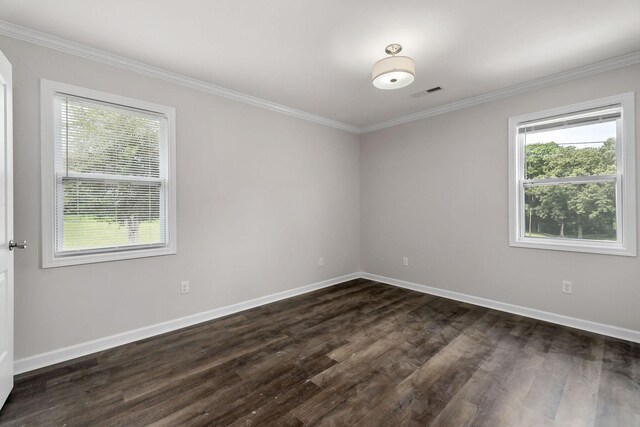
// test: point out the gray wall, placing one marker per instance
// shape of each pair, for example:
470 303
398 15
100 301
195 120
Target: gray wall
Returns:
260 197
436 191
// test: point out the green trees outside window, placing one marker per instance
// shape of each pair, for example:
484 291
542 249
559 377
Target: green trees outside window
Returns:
110 176
572 210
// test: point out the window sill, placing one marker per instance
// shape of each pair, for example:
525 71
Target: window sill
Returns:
592 247
69 260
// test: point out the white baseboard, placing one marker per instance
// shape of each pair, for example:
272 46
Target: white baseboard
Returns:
586 325
61 355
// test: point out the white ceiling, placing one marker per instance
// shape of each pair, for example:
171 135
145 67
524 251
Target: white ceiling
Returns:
316 56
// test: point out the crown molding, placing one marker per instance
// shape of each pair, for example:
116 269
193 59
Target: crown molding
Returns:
550 80
67 46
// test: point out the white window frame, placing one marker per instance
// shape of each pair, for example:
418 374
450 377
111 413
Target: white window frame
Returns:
625 182
48 90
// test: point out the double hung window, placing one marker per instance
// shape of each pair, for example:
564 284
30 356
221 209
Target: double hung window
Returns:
108 177
572 178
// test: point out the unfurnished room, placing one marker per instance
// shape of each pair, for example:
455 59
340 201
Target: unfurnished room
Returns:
328 213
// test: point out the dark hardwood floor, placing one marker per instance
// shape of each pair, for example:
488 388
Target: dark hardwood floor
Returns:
360 353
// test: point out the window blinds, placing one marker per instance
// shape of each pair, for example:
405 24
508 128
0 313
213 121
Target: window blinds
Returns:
600 115
111 176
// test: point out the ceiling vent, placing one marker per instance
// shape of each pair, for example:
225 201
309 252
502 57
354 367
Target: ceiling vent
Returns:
426 91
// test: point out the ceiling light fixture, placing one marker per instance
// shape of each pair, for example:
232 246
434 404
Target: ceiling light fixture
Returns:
393 72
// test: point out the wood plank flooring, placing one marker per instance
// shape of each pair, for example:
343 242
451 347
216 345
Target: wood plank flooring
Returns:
357 354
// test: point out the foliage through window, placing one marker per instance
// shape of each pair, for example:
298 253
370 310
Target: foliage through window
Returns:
569 184
111 171
579 210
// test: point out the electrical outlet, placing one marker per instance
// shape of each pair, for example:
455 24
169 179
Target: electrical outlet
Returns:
320 262
566 287
405 261
184 287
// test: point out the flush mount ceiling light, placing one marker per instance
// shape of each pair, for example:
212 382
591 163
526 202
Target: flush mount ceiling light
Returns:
393 72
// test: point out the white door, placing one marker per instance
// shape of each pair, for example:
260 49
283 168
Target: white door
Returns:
6 231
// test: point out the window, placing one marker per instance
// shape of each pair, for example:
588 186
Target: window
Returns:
572 178
108 177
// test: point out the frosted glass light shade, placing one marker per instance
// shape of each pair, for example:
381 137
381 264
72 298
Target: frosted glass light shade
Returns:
393 72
